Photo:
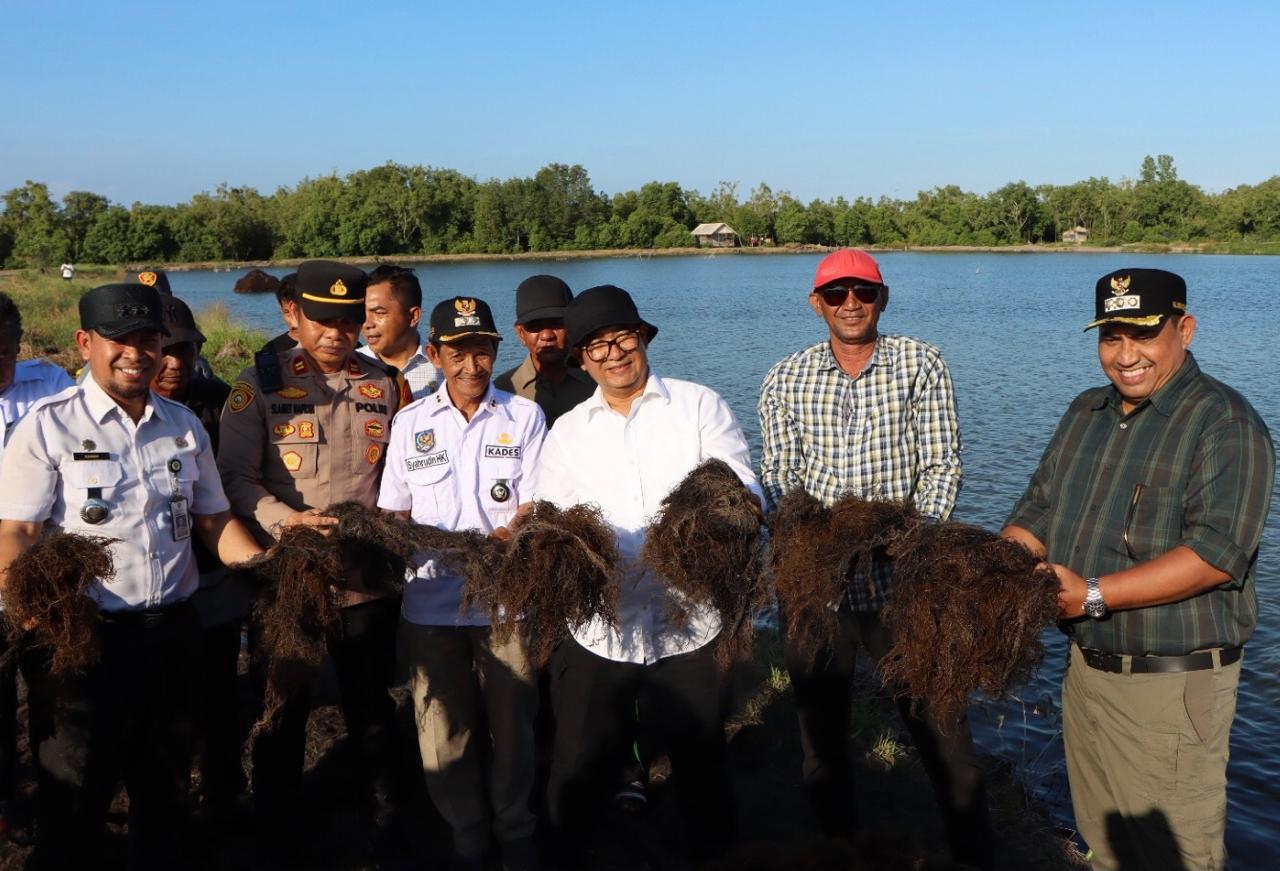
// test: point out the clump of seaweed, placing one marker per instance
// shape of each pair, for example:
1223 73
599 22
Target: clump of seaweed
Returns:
296 614
46 589
705 543
559 570
815 552
966 613
805 569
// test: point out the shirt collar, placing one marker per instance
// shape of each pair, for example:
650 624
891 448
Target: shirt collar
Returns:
440 401
880 356
653 388
1164 400
101 405
525 373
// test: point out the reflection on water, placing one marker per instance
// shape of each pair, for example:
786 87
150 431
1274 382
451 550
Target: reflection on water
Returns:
1010 326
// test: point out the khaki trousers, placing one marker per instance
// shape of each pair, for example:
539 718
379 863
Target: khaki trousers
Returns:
463 681
1147 763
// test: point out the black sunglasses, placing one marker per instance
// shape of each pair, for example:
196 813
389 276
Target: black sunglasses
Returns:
835 295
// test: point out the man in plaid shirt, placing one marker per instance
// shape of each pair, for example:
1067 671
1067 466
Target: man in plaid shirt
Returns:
873 415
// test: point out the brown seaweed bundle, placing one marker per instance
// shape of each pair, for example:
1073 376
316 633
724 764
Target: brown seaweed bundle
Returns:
705 543
47 587
815 552
966 613
559 570
296 614
379 546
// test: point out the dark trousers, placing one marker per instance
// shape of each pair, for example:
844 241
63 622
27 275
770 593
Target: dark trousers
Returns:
218 721
364 657
30 662
595 703
823 700
127 717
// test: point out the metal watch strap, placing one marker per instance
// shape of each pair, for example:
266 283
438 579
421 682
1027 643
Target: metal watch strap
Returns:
1094 605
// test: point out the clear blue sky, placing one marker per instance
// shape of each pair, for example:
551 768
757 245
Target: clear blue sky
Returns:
157 101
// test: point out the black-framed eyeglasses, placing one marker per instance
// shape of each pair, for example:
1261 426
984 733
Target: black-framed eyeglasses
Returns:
599 351
836 294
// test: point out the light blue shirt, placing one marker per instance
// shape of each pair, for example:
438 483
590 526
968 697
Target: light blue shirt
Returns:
33 380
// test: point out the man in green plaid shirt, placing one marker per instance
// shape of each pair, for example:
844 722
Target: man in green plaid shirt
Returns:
873 415
1150 503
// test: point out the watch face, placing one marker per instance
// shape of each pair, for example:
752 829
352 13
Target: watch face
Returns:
1095 609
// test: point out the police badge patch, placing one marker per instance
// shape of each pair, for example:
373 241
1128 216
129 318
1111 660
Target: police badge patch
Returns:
425 441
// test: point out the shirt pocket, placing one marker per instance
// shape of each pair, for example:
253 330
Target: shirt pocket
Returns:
433 491
501 489
1153 521
107 478
369 431
292 454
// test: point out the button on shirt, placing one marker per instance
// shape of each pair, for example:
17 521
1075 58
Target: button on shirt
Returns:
422 376
81 440
457 474
627 466
33 380
890 433
1192 466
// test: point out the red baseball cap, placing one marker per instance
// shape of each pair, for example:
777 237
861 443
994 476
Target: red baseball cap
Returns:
844 264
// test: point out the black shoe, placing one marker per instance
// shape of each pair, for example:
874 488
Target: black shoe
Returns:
631 798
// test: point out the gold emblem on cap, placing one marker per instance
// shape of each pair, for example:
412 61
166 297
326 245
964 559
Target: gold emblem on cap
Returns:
465 306
338 288
1120 286
147 278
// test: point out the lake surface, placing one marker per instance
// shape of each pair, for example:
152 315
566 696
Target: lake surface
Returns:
1010 327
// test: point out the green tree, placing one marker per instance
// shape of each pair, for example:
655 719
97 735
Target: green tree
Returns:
80 209
35 224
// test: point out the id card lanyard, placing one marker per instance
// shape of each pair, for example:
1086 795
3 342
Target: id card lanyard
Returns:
179 516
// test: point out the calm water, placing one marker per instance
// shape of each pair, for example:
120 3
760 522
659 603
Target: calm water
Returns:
1010 327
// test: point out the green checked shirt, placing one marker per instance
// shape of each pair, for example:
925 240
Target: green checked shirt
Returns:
1193 465
891 433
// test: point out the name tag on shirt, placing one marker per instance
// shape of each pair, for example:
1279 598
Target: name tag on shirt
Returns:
91 455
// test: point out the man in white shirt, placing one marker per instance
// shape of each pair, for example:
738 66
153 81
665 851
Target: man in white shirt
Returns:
464 458
68 271
23 383
111 458
625 449
392 310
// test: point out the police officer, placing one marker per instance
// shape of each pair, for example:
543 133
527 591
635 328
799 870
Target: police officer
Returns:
112 458
314 437
464 458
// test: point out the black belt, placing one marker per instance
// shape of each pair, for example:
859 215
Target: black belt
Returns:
1198 661
148 618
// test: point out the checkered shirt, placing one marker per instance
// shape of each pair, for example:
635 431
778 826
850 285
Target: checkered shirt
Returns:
891 433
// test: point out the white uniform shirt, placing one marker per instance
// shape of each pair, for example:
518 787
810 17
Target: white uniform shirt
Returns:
447 472
81 439
627 465
423 377
33 380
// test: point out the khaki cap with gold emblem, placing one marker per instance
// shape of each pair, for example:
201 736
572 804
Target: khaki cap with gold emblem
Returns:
328 290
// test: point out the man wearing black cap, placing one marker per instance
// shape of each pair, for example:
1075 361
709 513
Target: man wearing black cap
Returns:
624 449
545 376
1149 503
464 458
112 458
287 452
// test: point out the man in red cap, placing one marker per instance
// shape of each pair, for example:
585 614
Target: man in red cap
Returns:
873 415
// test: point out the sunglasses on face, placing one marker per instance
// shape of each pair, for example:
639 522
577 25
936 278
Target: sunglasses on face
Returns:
835 295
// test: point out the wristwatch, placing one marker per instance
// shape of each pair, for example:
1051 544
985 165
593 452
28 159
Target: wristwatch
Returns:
1094 605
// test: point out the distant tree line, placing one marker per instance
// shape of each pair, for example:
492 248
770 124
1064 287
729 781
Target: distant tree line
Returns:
395 209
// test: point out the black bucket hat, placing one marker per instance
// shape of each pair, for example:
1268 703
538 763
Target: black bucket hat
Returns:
598 308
